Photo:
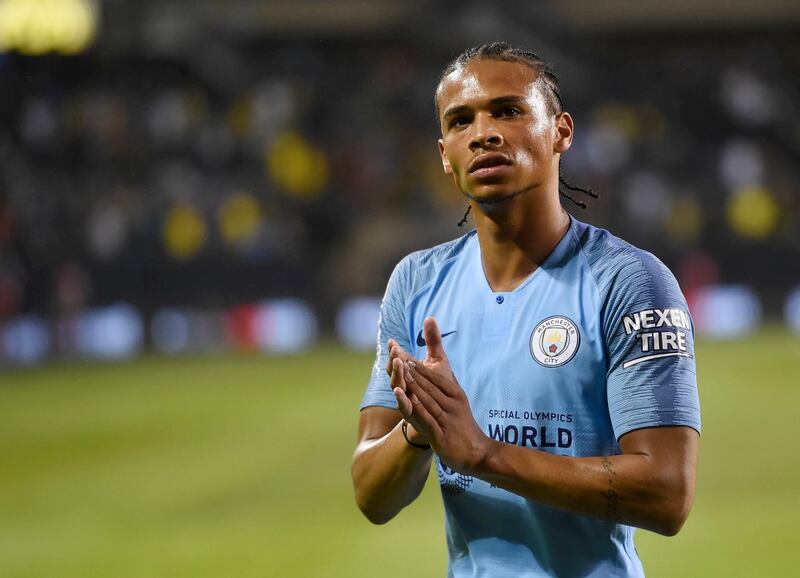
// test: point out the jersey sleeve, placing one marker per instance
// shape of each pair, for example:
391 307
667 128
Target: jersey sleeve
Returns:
391 325
651 379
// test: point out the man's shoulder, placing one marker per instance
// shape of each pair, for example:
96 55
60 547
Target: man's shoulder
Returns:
419 268
433 258
439 254
617 265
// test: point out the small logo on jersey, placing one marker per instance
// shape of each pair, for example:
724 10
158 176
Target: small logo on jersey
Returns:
555 341
452 483
421 339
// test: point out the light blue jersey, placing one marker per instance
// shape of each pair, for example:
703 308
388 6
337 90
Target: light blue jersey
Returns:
597 342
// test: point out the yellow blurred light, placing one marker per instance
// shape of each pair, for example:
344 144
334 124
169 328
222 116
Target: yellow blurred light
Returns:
298 167
184 232
36 27
685 220
753 213
240 218
619 115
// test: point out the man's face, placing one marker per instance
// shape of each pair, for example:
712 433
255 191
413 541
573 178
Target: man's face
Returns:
498 136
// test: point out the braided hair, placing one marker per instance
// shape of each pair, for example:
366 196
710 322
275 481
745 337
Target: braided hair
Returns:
545 76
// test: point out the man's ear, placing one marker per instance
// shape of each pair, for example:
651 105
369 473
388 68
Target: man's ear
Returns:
448 170
564 133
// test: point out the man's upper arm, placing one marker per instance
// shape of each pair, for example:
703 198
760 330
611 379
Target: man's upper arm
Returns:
651 379
391 325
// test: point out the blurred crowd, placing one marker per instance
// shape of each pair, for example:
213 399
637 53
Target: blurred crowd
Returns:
306 170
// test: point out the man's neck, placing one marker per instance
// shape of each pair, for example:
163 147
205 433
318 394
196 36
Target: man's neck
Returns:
516 239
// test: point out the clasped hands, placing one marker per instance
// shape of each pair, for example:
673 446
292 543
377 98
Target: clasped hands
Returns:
430 398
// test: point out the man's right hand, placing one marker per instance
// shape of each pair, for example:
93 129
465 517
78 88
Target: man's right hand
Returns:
399 377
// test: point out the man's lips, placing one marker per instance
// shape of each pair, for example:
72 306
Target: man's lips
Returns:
488 163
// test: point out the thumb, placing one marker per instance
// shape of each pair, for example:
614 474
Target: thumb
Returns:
404 404
433 338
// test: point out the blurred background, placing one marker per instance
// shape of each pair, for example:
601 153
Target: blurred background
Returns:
200 205
199 176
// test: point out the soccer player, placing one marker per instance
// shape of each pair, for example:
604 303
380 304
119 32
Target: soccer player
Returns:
545 365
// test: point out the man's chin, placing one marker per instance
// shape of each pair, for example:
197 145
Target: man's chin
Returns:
491 198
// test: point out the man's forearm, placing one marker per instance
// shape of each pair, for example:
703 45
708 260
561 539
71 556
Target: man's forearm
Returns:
632 488
388 474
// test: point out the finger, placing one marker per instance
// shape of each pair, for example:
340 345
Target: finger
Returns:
397 352
389 359
430 388
404 405
428 425
433 339
446 384
391 345
397 377
415 388
400 353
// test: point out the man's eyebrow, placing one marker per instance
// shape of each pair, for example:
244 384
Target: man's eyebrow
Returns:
498 101
455 111
511 99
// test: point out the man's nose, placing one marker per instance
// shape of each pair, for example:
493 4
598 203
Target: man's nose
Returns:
486 133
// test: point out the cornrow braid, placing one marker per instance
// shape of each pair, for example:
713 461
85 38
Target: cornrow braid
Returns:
562 182
463 220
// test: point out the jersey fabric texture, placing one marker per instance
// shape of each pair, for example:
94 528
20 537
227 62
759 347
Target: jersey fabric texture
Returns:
595 343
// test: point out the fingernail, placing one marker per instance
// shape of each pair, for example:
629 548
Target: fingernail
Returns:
412 364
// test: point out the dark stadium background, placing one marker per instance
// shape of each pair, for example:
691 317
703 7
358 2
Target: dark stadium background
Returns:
200 204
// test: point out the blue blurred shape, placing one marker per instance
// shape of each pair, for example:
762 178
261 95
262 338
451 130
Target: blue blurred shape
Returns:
285 326
26 340
170 331
726 311
357 322
114 332
791 310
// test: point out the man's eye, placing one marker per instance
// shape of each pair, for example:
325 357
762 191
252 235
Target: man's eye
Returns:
509 111
459 121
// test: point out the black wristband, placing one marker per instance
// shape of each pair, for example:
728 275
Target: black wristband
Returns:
405 435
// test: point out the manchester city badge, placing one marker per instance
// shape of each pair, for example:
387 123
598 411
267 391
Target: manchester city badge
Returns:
554 341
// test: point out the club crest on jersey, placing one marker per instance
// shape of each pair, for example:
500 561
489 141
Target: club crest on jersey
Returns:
555 341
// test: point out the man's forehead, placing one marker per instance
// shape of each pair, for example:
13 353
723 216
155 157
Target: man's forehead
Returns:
486 79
